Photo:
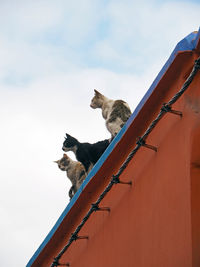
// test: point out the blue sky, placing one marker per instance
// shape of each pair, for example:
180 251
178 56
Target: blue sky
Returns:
52 55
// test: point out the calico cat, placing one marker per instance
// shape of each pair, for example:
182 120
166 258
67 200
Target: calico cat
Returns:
88 154
115 112
75 172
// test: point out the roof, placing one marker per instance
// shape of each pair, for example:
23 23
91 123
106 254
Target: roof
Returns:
188 44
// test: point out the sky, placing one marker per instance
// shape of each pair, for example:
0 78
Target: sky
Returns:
52 55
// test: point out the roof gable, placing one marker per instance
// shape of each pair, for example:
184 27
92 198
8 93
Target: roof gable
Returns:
188 44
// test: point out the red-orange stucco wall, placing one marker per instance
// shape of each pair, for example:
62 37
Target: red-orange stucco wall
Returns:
156 221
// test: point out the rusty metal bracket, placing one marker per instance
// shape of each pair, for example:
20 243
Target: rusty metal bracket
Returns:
141 142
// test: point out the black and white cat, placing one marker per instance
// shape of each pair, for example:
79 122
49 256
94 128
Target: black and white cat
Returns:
115 112
75 172
88 154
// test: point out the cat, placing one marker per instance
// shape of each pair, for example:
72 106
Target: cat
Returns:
75 172
115 112
88 154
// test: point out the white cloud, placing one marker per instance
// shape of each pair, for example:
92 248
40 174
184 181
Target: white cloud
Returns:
143 33
121 36
24 19
72 20
42 38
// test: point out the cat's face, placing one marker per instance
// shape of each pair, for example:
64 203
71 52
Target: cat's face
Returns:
97 100
69 143
63 162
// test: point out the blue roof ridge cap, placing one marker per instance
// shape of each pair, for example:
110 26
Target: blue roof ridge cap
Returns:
187 43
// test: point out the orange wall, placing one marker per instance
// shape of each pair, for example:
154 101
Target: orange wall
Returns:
156 221
195 194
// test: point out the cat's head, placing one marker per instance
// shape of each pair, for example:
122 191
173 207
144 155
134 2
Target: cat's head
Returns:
63 163
70 143
97 100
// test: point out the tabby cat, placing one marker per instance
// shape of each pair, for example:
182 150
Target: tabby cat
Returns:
88 154
75 172
115 112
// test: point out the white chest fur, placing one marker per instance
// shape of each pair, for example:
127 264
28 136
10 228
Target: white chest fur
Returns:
107 108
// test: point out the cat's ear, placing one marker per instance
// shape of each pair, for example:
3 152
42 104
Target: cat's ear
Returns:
97 93
67 135
56 161
65 156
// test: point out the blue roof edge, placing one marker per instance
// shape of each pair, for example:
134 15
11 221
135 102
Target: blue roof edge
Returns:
189 43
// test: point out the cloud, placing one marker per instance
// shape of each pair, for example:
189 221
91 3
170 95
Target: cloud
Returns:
119 36
146 33
72 23
41 35
24 19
